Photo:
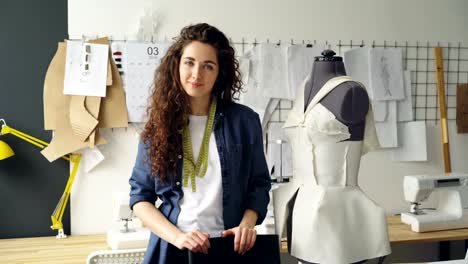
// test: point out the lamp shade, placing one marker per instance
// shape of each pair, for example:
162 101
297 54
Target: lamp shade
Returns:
5 150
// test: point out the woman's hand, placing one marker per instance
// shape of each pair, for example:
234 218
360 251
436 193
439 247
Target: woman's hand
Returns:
194 241
244 237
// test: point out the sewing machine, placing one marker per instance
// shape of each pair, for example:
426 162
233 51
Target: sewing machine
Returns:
452 208
125 237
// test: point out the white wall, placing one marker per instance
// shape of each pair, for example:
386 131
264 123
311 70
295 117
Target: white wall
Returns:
91 197
400 20
280 19
382 179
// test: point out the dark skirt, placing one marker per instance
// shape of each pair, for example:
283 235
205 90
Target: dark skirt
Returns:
265 251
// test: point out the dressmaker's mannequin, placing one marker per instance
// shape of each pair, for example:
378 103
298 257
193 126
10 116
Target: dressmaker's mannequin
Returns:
323 212
348 101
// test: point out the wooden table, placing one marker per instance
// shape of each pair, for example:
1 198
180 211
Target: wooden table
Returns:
75 249
50 250
400 233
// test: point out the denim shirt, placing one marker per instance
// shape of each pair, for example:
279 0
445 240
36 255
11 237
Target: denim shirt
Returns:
244 172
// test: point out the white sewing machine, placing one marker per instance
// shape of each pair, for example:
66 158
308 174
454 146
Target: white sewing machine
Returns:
126 237
452 208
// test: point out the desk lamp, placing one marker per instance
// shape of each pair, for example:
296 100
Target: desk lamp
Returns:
6 152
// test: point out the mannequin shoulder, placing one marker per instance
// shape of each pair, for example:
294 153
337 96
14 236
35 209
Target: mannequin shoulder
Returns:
349 101
356 103
354 93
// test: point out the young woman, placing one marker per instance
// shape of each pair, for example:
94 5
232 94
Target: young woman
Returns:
200 153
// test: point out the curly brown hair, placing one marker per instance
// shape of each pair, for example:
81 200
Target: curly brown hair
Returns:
168 107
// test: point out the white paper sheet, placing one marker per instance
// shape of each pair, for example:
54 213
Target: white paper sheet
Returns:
252 94
300 60
279 154
253 98
142 59
253 55
412 142
90 158
244 67
357 66
405 107
386 73
271 106
273 71
356 62
93 82
387 131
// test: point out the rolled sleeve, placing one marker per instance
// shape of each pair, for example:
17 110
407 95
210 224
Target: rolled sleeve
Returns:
259 180
142 183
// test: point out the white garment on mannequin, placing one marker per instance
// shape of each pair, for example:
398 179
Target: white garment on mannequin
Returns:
333 221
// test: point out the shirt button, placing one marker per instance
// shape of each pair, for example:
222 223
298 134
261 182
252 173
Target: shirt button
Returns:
180 156
178 183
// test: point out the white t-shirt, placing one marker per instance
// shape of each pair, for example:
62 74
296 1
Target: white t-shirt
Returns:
203 210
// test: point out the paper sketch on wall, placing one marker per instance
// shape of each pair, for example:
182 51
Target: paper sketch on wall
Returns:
86 69
386 73
358 63
387 131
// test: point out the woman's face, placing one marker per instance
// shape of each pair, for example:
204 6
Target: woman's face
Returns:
198 69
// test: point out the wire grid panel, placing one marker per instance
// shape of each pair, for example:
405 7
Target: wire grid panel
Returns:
418 57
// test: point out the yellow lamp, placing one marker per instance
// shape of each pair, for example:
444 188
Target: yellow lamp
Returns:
6 152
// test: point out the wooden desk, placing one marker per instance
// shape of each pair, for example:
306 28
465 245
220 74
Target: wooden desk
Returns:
400 233
45 250
75 249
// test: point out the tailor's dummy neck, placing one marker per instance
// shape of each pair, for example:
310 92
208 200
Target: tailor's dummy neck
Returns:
326 67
